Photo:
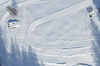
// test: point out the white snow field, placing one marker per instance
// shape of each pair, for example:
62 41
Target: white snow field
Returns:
50 33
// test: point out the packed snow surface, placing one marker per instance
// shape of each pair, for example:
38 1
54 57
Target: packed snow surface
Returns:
50 33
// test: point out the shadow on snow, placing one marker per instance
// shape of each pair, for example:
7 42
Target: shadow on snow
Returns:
3 52
96 43
16 57
97 4
14 3
84 64
22 58
13 20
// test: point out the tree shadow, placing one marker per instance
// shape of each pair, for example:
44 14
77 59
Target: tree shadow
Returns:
24 57
96 43
3 51
31 56
97 4
16 57
42 64
14 4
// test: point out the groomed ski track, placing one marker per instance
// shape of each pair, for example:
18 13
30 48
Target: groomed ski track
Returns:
38 46
37 22
48 46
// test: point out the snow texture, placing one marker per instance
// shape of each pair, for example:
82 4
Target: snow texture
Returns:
50 33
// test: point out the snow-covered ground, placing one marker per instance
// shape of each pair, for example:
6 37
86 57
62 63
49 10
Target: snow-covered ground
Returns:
50 33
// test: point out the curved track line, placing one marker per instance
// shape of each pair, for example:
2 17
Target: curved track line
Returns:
5 4
51 17
65 59
2 21
28 2
43 20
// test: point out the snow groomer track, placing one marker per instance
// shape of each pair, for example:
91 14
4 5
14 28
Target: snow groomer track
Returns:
46 51
73 52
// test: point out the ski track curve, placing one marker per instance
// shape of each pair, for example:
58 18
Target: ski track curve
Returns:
6 14
31 28
38 46
3 19
51 17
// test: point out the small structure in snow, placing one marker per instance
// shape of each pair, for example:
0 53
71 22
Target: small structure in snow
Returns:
12 11
90 9
13 23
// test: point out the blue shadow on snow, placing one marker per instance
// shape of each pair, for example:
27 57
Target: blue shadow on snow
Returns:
13 20
96 43
23 58
3 52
